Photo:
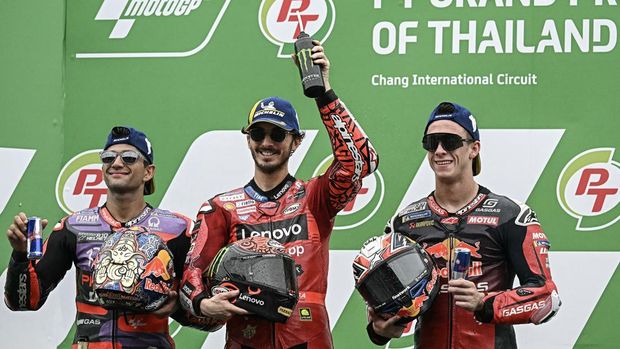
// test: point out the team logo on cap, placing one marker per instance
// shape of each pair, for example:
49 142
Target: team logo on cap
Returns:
364 205
589 189
279 21
80 183
146 28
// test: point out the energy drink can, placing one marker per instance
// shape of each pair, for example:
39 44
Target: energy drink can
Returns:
460 263
34 240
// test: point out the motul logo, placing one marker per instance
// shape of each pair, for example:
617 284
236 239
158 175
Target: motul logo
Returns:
483 220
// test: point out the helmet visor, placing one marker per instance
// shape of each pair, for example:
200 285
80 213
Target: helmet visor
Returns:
275 271
392 277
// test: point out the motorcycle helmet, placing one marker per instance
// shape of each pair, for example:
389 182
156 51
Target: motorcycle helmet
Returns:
395 276
262 271
133 270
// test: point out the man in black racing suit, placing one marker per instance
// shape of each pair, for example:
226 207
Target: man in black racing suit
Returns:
504 239
128 172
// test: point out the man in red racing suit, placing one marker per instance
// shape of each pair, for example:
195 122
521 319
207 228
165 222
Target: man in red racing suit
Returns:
298 214
504 239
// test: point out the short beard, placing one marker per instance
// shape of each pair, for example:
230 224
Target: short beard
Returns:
275 166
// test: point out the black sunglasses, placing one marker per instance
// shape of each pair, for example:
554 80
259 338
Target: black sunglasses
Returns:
129 157
449 141
277 134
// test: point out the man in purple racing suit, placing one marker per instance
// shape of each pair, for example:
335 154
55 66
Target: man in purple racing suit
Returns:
128 171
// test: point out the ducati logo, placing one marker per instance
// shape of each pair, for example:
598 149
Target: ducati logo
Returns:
589 189
279 20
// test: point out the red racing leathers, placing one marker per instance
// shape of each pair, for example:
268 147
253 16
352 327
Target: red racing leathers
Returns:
504 239
76 239
298 214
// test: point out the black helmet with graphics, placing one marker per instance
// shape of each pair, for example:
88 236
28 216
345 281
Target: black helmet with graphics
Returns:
262 271
396 276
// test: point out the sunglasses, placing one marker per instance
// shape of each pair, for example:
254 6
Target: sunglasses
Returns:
277 134
129 157
449 141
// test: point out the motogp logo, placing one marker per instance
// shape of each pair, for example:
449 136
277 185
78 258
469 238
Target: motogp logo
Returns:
589 189
279 20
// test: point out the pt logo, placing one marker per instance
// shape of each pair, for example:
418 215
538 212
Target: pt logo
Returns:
364 205
279 20
80 183
589 189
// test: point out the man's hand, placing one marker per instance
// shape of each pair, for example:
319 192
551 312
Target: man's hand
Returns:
219 307
17 232
385 327
169 307
466 294
319 58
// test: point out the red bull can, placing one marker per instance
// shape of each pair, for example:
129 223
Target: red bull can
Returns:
460 263
34 241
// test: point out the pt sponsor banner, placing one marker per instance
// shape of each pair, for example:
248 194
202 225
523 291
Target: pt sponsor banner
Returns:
538 75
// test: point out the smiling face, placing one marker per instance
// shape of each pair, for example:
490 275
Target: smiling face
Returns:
453 165
124 178
271 156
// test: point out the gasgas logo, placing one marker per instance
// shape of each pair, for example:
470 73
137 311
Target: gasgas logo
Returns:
148 28
80 183
589 189
442 250
279 20
364 205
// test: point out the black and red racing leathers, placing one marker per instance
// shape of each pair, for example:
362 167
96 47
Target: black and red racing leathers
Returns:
298 214
504 239
76 239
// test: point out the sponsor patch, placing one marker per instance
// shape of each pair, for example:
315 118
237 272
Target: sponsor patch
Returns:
249 331
526 217
292 208
244 217
450 220
416 207
246 210
421 224
284 231
233 197
87 219
245 203
285 311
229 206
91 236
305 314
418 215
483 220
471 205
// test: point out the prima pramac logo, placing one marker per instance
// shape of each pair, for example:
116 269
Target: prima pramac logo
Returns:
279 20
142 28
589 189
364 205
80 183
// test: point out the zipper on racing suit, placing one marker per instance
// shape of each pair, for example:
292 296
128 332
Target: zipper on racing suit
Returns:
114 328
450 302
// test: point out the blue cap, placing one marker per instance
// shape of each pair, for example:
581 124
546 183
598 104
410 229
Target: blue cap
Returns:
276 111
456 113
131 136
463 117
